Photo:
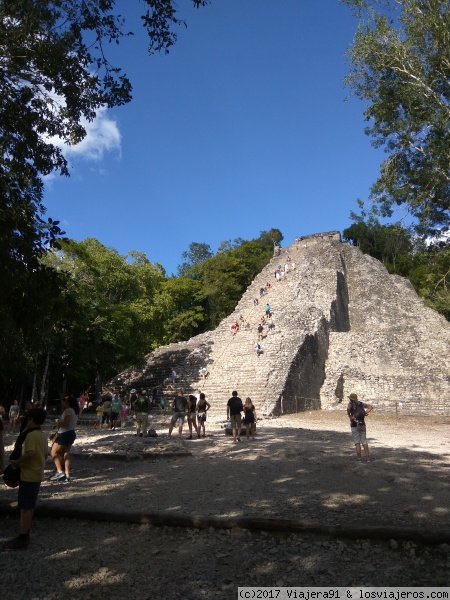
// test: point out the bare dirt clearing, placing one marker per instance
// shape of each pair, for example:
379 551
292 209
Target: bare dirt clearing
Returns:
298 467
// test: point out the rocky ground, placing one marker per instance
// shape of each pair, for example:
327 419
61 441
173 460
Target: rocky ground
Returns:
299 467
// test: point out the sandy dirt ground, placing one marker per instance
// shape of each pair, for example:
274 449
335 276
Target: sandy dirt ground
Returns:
298 467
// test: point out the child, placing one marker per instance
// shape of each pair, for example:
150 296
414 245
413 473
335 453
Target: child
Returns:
124 413
31 462
99 413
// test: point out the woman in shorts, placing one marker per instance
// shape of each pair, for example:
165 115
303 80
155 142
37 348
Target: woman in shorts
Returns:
202 407
65 438
249 418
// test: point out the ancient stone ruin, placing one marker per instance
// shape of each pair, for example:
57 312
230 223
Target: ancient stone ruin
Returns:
342 324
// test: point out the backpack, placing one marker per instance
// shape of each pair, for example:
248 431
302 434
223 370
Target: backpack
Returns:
358 412
11 475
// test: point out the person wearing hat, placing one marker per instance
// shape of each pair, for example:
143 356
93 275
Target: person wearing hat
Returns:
356 412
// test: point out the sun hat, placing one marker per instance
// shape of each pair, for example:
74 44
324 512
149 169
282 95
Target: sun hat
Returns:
353 397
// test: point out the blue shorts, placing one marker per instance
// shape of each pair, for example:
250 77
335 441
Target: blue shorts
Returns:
66 438
28 493
178 416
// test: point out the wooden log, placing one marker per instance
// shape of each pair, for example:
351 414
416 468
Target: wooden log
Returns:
383 532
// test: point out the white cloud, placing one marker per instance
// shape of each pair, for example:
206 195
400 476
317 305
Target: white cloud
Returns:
102 136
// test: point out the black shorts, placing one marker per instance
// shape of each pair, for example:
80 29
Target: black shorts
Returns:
28 493
66 438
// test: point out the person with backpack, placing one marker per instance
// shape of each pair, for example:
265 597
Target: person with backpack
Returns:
357 411
29 454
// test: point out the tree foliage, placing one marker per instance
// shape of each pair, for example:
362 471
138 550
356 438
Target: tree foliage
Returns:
197 253
385 242
400 65
55 70
54 74
112 319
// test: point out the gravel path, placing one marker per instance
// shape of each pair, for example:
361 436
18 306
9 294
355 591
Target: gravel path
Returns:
298 467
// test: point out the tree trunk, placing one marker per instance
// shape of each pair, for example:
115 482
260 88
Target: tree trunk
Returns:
33 391
98 385
44 378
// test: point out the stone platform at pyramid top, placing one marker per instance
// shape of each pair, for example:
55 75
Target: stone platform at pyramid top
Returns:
338 313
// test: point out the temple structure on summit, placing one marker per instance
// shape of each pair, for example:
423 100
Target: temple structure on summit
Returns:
342 324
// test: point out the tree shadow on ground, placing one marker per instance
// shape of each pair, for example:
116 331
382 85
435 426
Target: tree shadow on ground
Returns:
299 474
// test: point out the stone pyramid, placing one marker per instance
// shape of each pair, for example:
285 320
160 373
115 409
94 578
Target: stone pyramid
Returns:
342 324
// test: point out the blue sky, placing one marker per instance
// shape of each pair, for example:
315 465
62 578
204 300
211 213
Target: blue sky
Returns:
242 127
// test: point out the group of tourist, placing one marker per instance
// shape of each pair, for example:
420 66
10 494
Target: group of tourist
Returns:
139 404
114 409
282 271
194 408
31 447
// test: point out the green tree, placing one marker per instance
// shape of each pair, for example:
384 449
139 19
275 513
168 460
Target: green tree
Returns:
55 71
429 272
385 242
400 66
197 253
112 320
271 238
180 309
226 276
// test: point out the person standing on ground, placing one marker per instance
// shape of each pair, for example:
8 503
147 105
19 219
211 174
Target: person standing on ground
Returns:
82 401
202 408
106 410
179 406
339 391
116 405
234 409
31 463
249 418
123 410
192 415
98 417
141 408
356 412
13 415
65 439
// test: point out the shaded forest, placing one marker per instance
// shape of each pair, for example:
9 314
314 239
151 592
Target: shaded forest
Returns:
85 312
